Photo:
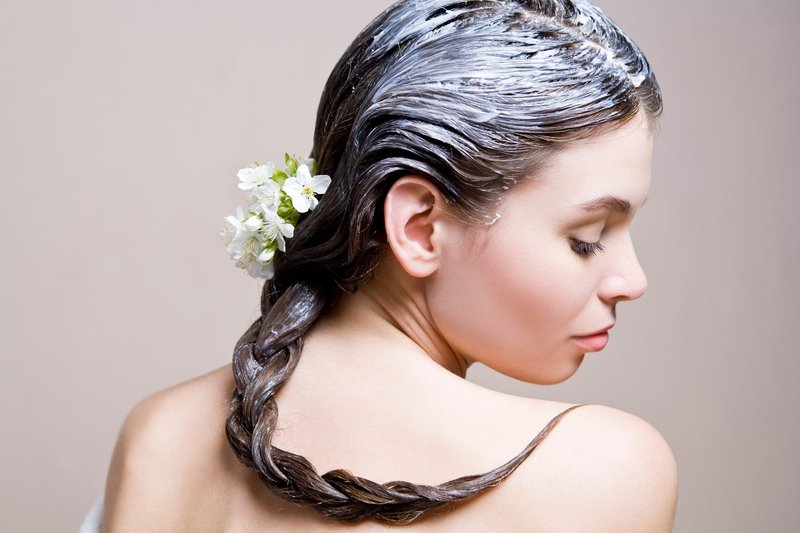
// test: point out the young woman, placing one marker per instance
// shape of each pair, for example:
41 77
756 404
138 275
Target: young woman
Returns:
479 164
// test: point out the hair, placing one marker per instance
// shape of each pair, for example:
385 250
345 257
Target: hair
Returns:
473 95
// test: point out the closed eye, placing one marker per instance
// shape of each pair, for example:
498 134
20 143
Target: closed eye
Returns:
585 249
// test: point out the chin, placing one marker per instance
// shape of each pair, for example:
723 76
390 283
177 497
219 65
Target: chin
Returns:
553 376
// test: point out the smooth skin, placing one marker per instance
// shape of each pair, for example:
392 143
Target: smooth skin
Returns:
380 388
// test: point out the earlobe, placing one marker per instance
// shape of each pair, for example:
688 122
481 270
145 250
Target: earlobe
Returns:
412 219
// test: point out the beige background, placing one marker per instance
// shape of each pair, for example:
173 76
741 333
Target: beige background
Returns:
122 126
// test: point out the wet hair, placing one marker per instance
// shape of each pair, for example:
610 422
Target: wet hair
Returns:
473 95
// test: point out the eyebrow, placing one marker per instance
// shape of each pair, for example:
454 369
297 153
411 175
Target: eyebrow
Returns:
611 203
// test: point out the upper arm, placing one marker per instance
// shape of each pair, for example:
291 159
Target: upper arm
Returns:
142 487
614 473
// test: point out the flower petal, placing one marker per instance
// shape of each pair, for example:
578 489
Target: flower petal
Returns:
291 185
233 221
266 256
253 223
299 201
303 174
320 183
287 230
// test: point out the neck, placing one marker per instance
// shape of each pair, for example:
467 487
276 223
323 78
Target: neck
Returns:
386 318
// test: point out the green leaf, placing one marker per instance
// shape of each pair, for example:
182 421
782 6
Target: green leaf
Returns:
279 176
291 164
312 168
286 212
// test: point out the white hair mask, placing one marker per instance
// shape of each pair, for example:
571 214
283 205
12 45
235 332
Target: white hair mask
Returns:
474 91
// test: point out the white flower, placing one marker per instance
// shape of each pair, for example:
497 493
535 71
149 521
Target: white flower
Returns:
242 236
252 177
257 269
246 245
301 188
275 229
307 161
255 236
267 196
266 256
253 223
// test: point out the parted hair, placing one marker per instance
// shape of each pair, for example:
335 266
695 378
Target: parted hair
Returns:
473 95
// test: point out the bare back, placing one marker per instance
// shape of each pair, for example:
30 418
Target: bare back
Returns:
210 490
482 433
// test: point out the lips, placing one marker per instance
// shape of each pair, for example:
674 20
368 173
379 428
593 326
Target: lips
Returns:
592 343
598 331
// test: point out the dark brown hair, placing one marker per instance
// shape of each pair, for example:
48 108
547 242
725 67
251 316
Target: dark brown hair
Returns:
473 95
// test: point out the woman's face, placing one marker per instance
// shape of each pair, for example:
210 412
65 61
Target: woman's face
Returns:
516 299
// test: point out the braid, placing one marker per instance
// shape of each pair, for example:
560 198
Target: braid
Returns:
263 360
253 415
474 96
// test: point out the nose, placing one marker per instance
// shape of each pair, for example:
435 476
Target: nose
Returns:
624 279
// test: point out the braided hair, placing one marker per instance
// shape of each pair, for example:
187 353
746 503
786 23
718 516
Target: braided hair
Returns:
475 95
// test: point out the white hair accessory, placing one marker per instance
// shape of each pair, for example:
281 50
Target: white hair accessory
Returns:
276 201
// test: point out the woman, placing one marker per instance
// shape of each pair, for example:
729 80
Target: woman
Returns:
485 162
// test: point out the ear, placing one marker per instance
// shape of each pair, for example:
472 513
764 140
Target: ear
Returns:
413 216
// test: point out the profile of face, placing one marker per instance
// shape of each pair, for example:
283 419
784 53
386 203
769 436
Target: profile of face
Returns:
514 294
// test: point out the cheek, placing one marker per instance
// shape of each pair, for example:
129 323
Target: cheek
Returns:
511 305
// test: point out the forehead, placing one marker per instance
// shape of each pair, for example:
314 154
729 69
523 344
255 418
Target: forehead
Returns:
615 163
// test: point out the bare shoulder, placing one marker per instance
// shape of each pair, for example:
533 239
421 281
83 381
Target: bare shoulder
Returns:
600 469
165 447
162 423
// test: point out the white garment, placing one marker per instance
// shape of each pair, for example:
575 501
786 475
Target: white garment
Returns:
92 520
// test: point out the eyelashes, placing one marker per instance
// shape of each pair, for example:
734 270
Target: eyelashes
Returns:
586 249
